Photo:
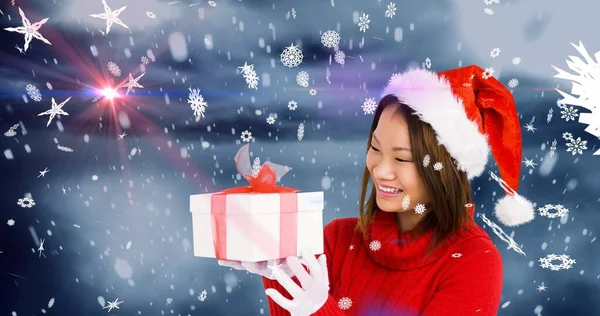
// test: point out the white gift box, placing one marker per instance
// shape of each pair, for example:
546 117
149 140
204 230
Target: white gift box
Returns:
256 226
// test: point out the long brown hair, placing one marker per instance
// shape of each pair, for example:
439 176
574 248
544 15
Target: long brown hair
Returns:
449 189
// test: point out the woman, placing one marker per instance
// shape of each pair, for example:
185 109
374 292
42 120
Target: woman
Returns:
415 249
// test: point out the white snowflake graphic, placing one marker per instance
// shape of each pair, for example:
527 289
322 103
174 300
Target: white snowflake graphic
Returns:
489 72
375 245
10 222
420 209
150 15
203 296
426 161
110 16
312 91
437 166
55 110
302 79
250 76
428 63
30 31
345 303
110 305
405 202
114 69
340 57
566 262
246 136
456 255
144 60
133 83
197 103
488 11
391 10
51 302
33 93
516 61
502 235
559 210
369 106
133 151
300 133
513 83
292 105
291 56
575 146
11 132
26 202
584 90
271 119
363 22
495 52
569 113
64 148
330 39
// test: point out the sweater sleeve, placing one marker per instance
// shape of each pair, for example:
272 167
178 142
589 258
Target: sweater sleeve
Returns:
331 307
472 285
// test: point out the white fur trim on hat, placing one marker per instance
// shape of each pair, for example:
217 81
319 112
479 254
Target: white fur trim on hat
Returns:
514 210
434 102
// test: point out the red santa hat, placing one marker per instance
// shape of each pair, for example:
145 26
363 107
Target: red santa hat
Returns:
471 112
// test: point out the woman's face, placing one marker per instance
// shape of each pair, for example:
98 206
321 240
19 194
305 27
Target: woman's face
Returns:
391 164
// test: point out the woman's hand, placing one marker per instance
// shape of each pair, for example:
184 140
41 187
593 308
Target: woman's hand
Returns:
314 292
268 269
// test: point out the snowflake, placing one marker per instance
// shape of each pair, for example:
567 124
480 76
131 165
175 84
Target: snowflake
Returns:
271 120
10 222
203 296
529 163
291 56
11 131
246 136
133 151
150 15
560 210
292 105
351 247
330 39
369 106
567 136
456 255
577 146
426 161
49 85
300 133
553 148
110 16
302 79
111 305
502 235
363 22
566 262
33 93
487 73
212 4
26 202
95 177
51 302
488 2
293 13
114 69
197 103
391 10
516 61
438 166
488 11
420 209
530 127
513 83
250 76
428 63
56 109
495 52
312 91
30 31
340 57
64 148
584 90
405 202
256 167
145 60
375 245
345 303
569 113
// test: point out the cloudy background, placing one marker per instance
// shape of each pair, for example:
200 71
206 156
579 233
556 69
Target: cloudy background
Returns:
117 224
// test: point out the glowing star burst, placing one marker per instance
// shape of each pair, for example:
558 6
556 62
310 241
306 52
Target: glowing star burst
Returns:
133 83
30 30
110 16
584 91
56 109
113 304
110 93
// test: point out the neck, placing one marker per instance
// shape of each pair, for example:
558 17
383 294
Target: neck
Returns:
407 221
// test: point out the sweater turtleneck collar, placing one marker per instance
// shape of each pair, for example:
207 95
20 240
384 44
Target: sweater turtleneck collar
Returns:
397 250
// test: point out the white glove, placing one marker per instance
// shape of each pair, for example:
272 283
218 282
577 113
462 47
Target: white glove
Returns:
268 269
314 292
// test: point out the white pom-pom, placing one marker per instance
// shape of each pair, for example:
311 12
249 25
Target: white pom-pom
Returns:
514 211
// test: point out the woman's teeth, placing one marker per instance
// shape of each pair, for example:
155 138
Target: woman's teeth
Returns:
389 190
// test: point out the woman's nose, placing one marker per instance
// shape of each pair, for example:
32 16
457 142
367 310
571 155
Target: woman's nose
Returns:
383 170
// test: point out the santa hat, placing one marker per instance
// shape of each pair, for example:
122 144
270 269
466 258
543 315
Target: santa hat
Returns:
471 112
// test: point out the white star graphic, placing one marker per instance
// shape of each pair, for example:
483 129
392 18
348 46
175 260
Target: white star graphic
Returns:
41 248
56 109
120 136
43 172
30 30
274 268
113 304
110 16
133 83
530 127
541 287
529 163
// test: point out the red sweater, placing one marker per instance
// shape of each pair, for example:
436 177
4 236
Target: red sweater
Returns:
389 274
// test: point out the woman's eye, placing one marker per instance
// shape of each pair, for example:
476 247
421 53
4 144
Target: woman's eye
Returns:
375 149
402 160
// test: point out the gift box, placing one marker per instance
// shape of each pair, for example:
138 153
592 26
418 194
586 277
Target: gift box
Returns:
258 222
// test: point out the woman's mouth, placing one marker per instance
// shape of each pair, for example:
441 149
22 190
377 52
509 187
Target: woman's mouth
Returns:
388 192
